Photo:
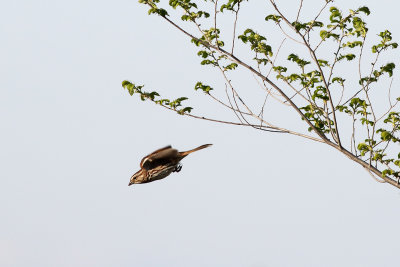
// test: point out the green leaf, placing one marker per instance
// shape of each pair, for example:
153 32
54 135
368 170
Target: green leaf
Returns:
367 80
353 44
365 10
299 61
314 23
323 63
326 35
386 136
350 57
230 5
132 88
198 42
342 108
335 16
323 34
338 80
231 66
185 110
363 148
205 88
203 54
257 42
275 18
163 102
279 69
293 77
160 11
387 172
299 26
182 99
359 27
388 68
366 121
125 83
209 62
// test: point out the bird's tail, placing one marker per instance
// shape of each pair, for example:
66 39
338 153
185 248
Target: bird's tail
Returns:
185 153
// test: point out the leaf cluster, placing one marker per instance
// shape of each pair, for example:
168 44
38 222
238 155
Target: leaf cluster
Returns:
257 42
230 5
316 117
175 104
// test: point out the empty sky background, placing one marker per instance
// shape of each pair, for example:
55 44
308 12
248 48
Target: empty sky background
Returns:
71 137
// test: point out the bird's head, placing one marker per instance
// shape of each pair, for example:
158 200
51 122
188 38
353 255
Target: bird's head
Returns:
137 178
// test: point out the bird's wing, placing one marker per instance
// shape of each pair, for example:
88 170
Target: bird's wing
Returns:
159 157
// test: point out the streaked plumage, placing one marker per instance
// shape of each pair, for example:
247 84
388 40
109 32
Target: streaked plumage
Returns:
160 164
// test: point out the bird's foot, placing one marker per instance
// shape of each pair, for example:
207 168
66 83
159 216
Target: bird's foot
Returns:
178 168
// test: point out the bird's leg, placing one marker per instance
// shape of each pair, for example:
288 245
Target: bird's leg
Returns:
178 168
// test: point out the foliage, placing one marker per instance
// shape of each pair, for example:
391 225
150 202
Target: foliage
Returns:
310 84
154 97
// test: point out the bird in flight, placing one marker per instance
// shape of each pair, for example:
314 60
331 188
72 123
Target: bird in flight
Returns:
160 164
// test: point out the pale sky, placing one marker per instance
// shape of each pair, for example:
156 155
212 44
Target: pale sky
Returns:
71 137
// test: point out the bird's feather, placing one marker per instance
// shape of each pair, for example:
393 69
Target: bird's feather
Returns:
159 157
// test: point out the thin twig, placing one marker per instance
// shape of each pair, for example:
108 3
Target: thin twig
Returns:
215 21
234 27
390 103
298 12
226 105
276 56
373 176
230 103
288 36
269 91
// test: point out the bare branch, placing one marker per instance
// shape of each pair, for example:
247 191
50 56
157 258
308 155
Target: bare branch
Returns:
298 12
234 27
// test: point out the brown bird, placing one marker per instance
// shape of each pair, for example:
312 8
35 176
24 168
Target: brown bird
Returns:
160 164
